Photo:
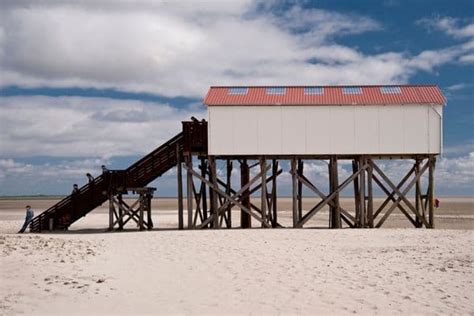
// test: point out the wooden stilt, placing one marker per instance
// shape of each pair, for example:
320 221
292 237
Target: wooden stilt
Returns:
111 211
204 189
245 219
227 190
263 196
431 197
274 192
180 189
148 208
120 212
334 208
362 194
370 195
141 210
189 189
355 169
213 171
418 202
295 192
300 190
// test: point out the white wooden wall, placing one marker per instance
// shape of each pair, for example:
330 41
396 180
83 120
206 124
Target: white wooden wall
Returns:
315 130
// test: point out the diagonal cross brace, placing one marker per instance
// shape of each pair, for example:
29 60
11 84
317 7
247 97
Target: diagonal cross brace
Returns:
313 188
232 199
391 198
320 205
401 195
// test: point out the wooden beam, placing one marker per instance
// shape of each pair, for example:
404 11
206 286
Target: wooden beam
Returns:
227 190
189 182
390 195
213 171
263 192
431 197
391 198
274 192
334 208
363 215
418 222
370 195
242 190
323 196
120 213
300 189
148 205
330 197
233 200
355 168
111 211
180 189
401 195
245 219
203 168
294 181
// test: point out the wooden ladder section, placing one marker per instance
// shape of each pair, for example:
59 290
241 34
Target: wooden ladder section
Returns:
61 215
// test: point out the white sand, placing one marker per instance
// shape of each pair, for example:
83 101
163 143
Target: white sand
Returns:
283 271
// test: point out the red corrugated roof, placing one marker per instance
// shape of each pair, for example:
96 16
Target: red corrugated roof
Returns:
257 95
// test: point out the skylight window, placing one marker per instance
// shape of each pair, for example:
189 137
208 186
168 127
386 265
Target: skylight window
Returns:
238 91
314 90
276 90
352 90
390 90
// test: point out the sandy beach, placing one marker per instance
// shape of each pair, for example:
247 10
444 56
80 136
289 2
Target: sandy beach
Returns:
394 270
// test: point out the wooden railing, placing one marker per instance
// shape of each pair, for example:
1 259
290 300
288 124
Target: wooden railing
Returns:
93 194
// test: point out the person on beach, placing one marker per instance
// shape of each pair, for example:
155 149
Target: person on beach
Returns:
90 177
75 188
104 169
28 219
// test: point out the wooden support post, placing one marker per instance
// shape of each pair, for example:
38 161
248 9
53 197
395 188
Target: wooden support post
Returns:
263 196
120 212
179 167
142 208
300 190
148 206
245 219
334 208
213 171
294 178
431 197
370 194
111 211
204 189
227 190
362 194
189 189
274 192
418 202
355 169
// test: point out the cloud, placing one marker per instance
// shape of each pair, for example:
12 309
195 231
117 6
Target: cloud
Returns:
86 127
173 49
457 87
449 25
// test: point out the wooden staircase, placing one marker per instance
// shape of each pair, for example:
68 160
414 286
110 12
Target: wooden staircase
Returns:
61 215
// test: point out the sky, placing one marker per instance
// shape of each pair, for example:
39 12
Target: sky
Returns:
86 83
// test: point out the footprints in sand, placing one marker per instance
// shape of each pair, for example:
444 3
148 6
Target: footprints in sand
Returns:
58 283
